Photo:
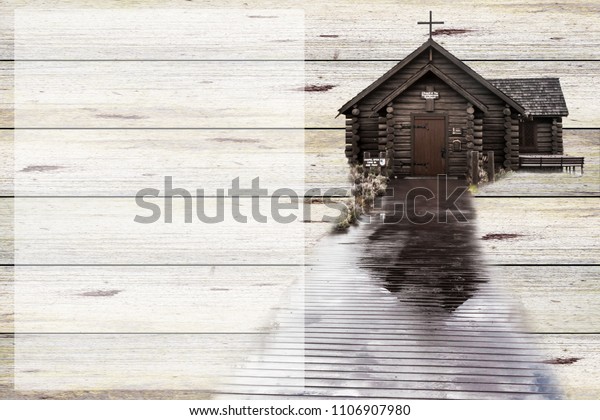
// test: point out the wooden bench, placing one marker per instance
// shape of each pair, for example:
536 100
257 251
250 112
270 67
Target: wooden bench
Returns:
551 161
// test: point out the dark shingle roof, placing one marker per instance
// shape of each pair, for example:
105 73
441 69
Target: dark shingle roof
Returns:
539 96
434 45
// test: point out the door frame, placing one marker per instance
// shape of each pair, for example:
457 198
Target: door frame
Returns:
433 116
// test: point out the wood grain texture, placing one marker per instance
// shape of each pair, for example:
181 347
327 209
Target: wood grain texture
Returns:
579 379
104 163
551 231
556 300
150 362
125 94
121 162
146 299
355 29
103 231
154 94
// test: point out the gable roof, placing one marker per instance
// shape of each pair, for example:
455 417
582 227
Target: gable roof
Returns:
430 68
430 43
539 96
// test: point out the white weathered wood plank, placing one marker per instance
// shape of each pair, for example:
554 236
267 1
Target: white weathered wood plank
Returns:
155 94
550 230
103 231
226 299
201 94
56 362
579 378
143 299
206 160
554 299
121 162
340 29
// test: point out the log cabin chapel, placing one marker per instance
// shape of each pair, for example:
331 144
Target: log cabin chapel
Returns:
430 109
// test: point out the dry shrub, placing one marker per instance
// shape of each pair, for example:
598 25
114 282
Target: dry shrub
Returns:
366 185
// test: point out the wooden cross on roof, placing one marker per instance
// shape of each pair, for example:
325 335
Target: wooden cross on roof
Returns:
430 23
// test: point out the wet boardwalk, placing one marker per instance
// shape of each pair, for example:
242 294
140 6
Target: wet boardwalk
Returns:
398 310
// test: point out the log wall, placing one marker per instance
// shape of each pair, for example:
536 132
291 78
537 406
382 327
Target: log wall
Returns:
557 136
544 135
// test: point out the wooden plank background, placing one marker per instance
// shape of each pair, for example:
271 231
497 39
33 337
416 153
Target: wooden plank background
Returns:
382 30
57 162
123 92
347 45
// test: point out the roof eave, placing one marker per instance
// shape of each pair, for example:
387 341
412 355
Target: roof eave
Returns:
478 77
445 78
430 43
363 93
553 115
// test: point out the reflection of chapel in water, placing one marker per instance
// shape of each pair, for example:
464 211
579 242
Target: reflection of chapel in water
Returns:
435 265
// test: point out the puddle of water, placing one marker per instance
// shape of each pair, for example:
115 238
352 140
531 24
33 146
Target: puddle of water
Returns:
434 263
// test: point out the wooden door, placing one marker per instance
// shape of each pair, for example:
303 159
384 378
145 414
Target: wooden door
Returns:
429 142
